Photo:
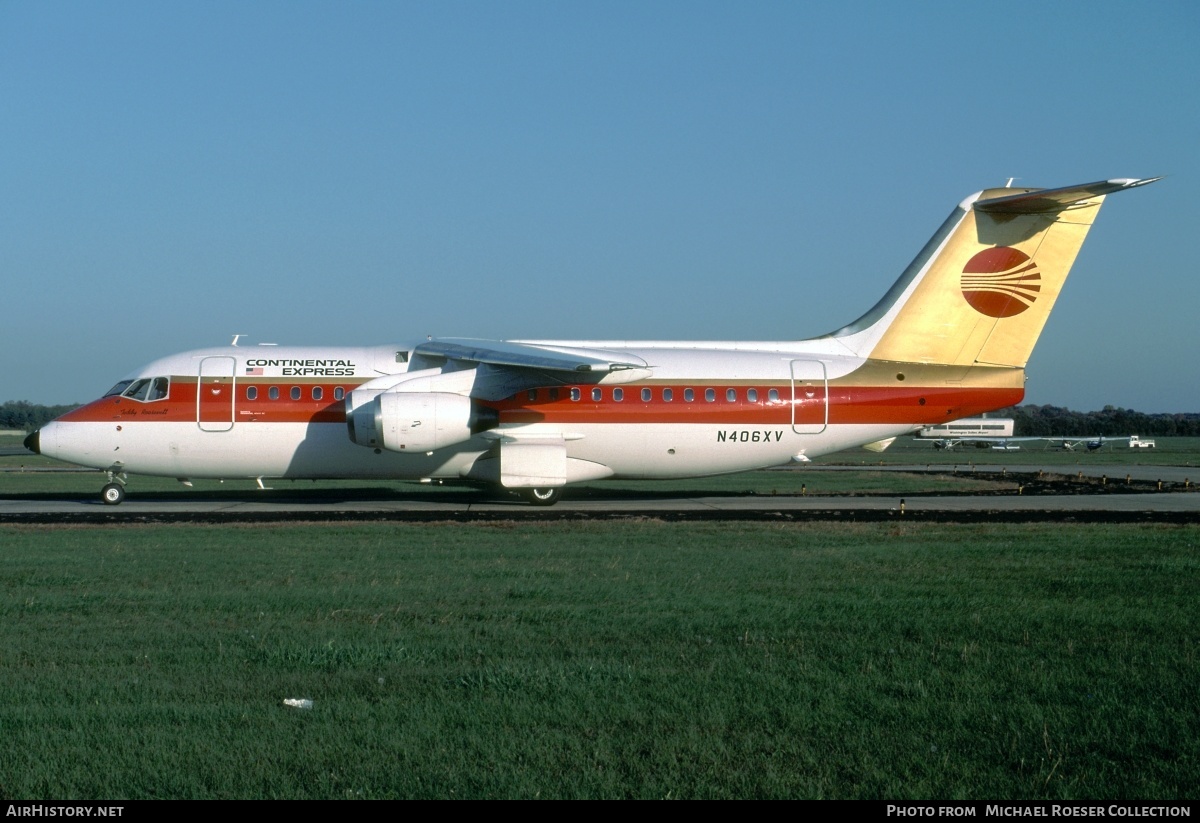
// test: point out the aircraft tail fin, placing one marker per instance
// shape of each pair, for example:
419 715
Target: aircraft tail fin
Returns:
981 290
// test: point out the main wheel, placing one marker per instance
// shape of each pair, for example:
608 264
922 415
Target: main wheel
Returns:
112 494
542 497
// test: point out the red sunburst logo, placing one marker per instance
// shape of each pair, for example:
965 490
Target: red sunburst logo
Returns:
1001 282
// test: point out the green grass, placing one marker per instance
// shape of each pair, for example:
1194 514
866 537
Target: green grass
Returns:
600 660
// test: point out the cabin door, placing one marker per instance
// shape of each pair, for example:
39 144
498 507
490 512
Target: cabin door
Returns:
810 397
215 393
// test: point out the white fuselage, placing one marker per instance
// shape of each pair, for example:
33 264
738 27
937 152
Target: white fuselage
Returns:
697 409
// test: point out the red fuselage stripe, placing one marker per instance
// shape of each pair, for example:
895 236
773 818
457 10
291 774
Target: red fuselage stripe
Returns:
848 404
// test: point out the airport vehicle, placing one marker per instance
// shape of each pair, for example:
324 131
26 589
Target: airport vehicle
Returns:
1136 442
949 339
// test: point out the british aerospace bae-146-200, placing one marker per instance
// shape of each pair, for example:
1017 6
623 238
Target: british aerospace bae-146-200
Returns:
949 339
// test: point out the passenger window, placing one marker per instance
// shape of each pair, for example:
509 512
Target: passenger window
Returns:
596 394
752 395
318 392
533 394
339 393
668 395
618 395
575 394
273 392
773 395
295 392
645 395
401 357
689 395
731 395
710 395
252 392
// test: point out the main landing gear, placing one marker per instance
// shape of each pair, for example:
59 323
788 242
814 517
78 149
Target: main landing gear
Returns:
542 497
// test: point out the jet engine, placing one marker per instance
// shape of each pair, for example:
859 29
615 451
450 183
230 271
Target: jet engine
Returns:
419 421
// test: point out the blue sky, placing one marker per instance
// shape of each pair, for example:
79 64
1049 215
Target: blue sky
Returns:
356 173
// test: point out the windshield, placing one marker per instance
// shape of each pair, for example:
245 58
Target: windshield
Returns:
117 389
147 389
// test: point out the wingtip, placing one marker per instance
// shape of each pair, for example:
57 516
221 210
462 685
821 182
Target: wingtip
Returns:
1134 182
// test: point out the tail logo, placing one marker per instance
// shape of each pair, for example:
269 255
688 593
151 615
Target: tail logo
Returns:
1001 282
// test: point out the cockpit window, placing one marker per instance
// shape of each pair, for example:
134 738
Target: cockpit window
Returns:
117 389
147 390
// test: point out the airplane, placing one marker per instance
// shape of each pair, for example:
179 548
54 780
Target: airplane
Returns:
1094 443
950 339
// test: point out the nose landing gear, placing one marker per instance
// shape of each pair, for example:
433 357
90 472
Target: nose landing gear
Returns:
114 492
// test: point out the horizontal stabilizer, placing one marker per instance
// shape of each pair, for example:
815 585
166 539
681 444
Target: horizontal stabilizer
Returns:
1044 201
528 356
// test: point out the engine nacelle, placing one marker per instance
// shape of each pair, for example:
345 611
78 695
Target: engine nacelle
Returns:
362 409
427 421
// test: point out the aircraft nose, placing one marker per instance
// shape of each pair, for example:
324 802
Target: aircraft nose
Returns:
33 441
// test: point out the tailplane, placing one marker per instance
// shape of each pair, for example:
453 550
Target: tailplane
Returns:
980 291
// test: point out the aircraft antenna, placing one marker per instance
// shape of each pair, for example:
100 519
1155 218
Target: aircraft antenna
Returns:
1008 185
235 339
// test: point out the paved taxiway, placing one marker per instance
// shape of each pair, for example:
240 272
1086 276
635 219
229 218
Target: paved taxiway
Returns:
1114 503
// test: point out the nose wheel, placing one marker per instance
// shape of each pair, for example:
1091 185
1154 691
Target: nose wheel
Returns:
114 492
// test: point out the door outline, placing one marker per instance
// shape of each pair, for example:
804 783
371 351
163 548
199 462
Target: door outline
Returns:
809 382
217 374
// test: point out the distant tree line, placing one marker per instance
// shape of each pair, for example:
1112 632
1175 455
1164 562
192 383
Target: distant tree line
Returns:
1052 421
21 414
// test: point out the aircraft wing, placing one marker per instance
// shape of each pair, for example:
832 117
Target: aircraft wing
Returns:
529 355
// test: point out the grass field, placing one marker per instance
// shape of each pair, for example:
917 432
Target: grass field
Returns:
600 660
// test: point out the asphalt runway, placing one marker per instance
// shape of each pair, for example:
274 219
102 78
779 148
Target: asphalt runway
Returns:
1063 498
